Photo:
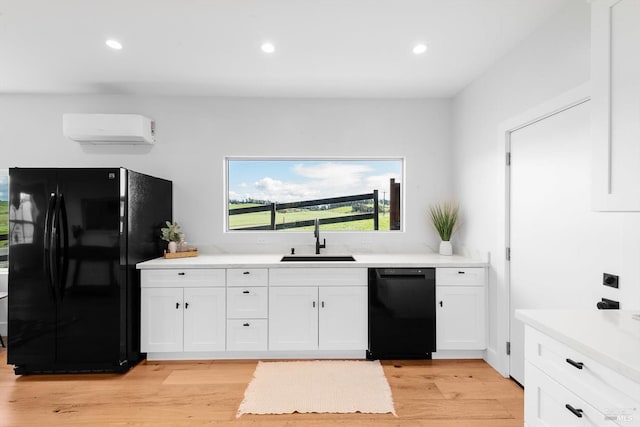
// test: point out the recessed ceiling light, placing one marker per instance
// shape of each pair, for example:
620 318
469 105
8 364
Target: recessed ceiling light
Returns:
268 47
114 44
420 48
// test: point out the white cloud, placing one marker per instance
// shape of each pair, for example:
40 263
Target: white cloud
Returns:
321 181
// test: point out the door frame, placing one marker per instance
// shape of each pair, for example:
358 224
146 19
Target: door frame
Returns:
579 95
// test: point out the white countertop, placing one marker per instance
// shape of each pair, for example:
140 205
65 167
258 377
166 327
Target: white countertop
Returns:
273 260
610 337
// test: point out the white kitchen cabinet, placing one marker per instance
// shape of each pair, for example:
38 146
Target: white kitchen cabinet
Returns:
247 334
547 404
247 305
565 387
161 326
312 318
182 319
204 319
293 318
247 302
615 85
318 309
183 310
461 309
342 317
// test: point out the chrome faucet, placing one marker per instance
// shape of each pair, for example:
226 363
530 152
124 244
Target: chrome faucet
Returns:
316 234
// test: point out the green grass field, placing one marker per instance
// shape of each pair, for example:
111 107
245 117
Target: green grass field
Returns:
237 222
4 221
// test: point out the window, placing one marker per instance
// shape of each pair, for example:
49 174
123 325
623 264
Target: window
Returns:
4 218
289 194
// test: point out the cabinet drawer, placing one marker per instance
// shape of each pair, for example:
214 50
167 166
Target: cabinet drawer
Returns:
546 404
318 277
247 302
190 277
247 277
247 334
602 387
460 276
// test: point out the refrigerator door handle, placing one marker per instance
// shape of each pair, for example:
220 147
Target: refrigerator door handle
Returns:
49 240
63 259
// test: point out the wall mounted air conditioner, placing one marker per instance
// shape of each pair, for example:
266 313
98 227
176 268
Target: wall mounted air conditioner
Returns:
109 128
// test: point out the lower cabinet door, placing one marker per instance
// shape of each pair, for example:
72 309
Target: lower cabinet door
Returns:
343 318
246 334
460 318
293 318
204 319
161 320
549 404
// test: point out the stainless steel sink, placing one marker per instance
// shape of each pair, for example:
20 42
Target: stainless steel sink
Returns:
314 258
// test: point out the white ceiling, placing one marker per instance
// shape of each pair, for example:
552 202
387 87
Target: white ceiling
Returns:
324 48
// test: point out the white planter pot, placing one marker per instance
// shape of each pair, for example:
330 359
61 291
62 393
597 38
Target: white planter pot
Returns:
446 248
172 246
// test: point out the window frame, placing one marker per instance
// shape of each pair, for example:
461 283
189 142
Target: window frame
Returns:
225 183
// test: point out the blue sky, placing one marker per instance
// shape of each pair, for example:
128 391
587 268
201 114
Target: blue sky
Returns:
294 180
4 187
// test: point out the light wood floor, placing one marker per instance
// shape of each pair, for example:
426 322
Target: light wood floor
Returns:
426 393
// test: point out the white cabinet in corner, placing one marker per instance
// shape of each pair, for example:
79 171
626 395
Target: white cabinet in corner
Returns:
318 309
565 387
461 309
182 310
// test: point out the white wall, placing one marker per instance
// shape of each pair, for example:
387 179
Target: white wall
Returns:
552 61
194 134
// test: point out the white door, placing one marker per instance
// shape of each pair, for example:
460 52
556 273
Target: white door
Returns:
553 233
161 319
204 319
460 318
293 318
343 318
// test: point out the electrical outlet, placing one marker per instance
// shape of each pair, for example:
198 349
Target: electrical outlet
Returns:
610 280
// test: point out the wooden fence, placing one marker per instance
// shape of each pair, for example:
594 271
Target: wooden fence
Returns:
275 207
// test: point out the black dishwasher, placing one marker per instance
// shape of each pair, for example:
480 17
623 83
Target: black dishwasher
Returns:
402 313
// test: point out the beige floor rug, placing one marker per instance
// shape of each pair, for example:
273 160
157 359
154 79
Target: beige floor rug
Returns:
321 386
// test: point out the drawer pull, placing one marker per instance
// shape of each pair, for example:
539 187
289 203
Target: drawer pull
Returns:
440 303
186 305
246 324
247 272
245 292
577 365
177 305
574 411
460 272
181 273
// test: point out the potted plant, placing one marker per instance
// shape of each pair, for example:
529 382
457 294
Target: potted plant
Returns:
171 234
444 217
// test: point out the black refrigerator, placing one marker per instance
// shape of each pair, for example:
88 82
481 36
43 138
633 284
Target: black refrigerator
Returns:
75 236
